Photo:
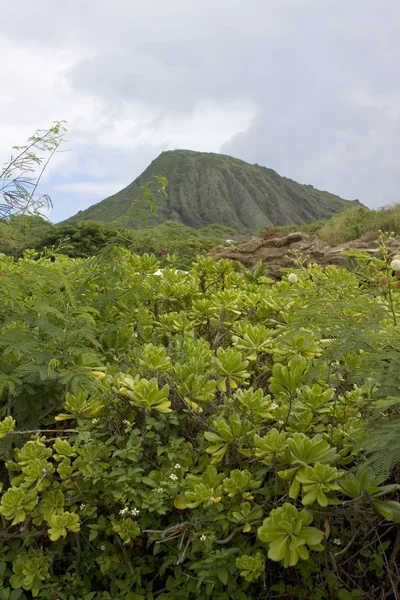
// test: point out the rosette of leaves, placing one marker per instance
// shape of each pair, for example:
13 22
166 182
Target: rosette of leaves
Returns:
32 460
172 323
203 310
31 569
231 369
303 451
61 524
316 398
240 483
301 342
365 484
251 567
127 530
228 302
143 393
317 482
195 387
286 379
254 404
252 339
289 535
271 446
245 513
17 504
155 358
51 503
81 406
205 489
7 425
226 433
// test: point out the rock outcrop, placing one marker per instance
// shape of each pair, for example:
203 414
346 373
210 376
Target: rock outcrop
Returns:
276 252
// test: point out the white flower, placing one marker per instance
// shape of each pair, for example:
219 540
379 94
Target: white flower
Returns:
82 506
273 406
102 547
123 511
292 278
177 466
135 512
159 490
337 542
94 421
395 264
203 538
173 477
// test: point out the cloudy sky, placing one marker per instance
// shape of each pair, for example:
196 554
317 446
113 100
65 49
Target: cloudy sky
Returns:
310 88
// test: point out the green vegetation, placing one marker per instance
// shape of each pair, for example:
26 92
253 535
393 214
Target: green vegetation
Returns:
198 436
21 175
358 222
170 241
205 188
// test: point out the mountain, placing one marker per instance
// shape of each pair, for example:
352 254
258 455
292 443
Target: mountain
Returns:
205 188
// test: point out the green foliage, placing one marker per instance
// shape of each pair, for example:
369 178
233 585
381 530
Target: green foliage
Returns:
21 174
196 435
355 222
251 567
173 243
30 570
288 535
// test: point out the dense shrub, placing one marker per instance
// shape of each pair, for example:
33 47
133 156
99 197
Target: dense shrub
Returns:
82 239
200 435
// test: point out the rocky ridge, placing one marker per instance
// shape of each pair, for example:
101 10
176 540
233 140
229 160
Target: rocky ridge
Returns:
276 252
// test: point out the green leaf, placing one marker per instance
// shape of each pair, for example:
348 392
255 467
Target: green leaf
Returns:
390 509
223 575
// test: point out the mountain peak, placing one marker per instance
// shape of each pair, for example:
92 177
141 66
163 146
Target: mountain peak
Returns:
206 188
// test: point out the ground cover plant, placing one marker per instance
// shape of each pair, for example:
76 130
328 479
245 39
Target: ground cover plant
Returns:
202 435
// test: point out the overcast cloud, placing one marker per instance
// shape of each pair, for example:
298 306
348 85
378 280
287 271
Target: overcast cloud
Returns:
310 88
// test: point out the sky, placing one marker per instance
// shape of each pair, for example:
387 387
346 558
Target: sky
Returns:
310 88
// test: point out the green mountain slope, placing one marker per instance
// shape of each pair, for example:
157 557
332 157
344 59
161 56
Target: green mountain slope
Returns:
207 188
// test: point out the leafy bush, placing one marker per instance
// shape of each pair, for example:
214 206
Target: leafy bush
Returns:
200 435
173 243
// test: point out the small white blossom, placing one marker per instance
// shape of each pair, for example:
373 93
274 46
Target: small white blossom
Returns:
123 511
395 264
274 406
203 538
177 466
337 542
173 477
292 278
159 490
82 506
135 512
102 547
94 421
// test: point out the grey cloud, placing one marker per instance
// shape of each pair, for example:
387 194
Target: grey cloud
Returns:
325 75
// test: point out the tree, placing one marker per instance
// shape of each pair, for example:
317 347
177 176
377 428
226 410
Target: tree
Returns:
22 173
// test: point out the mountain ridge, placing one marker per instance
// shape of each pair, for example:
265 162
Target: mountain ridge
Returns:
207 188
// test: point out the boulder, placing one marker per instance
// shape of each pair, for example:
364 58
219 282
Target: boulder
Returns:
276 252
